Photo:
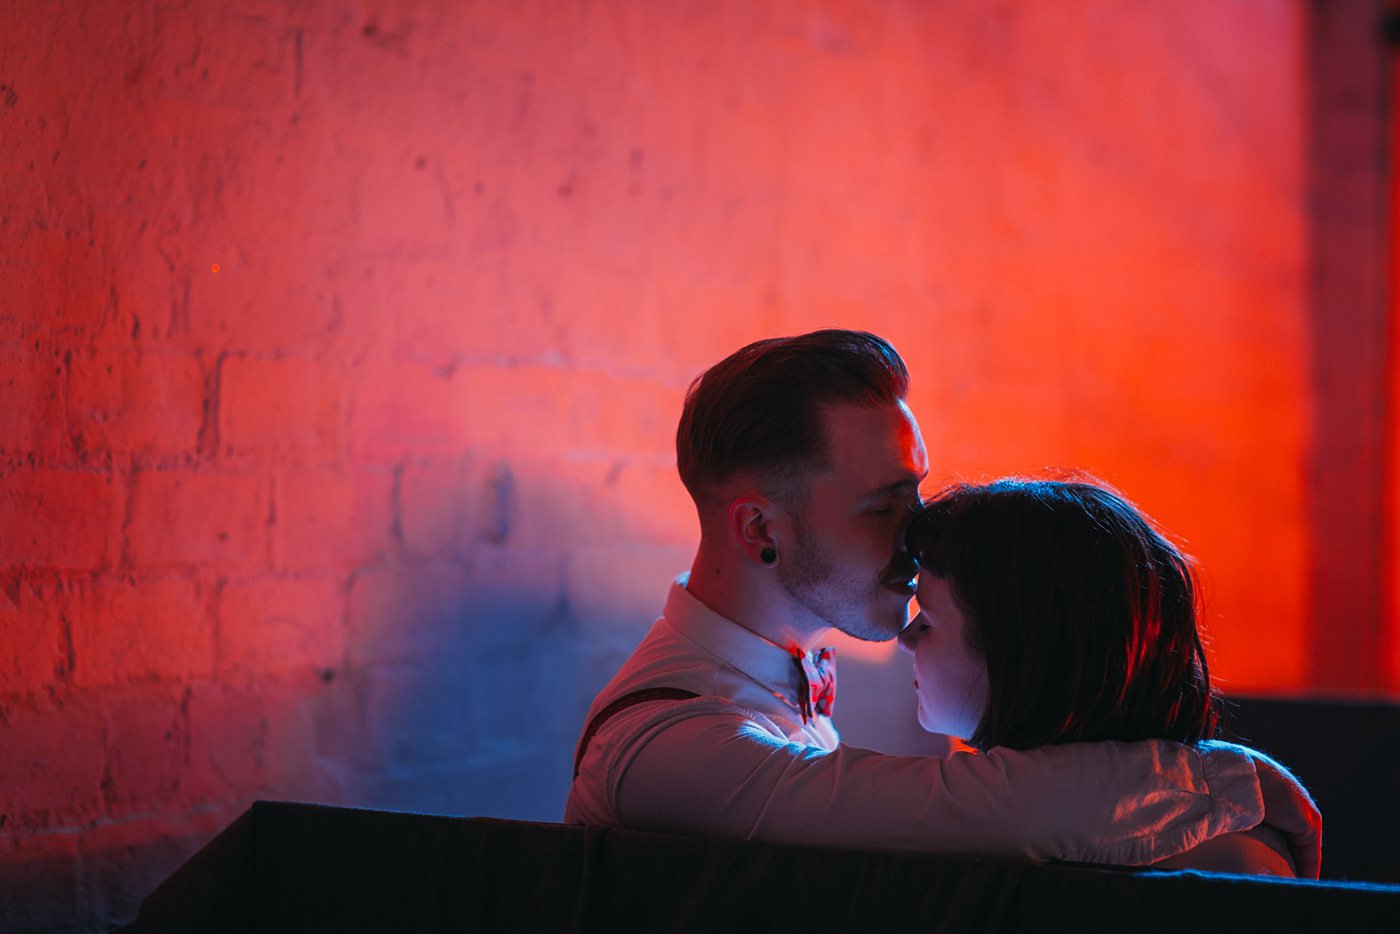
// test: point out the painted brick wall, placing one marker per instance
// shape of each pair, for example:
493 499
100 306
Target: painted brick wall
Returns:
366 515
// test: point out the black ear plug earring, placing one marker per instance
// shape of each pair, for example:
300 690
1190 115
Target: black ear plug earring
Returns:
769 556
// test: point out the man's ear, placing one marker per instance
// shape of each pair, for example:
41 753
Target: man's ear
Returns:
753 527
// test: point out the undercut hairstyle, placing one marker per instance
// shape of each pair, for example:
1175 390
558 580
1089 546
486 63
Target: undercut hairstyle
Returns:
1084 613
759 410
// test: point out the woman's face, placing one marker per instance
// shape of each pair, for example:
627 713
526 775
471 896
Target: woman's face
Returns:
950 677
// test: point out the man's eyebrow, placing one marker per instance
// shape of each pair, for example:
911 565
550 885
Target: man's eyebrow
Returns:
898 486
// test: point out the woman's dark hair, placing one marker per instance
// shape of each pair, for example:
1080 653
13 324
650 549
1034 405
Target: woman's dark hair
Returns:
1083 612
760 408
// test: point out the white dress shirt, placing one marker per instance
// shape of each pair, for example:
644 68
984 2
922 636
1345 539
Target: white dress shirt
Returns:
738 761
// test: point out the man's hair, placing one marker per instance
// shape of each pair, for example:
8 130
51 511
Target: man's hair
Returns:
759 410
1084 613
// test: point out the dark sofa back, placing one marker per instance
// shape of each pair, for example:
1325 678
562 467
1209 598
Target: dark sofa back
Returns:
1348 754
298 868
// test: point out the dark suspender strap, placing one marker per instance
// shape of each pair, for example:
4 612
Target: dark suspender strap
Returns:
621 704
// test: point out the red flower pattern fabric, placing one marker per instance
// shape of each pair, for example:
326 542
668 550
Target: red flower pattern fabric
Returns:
818 669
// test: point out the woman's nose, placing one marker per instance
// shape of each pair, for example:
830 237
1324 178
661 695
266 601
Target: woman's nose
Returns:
909 635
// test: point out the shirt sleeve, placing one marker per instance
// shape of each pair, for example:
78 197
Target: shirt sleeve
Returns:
706 767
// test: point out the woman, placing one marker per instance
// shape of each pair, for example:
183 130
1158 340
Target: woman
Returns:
1053 612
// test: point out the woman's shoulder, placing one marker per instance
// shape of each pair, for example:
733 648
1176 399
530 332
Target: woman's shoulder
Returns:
1262 851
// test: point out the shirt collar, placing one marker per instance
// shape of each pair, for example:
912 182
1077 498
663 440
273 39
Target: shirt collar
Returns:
765 662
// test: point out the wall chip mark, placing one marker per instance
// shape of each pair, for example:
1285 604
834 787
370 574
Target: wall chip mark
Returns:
502 498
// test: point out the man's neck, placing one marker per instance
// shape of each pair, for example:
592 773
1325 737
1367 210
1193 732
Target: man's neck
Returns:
738 598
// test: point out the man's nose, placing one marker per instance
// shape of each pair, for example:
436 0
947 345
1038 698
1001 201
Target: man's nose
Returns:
902 573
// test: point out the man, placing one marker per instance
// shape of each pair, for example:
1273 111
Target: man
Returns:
803 460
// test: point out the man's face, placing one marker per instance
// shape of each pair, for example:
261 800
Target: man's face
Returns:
852 520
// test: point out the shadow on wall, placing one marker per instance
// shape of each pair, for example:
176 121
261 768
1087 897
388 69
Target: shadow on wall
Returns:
467 678
450 679
460 689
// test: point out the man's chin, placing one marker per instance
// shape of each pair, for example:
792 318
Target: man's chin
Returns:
873 630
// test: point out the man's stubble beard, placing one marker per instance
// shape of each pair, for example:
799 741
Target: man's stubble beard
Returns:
842 603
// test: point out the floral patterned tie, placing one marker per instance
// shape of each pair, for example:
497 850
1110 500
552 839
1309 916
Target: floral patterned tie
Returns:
818 669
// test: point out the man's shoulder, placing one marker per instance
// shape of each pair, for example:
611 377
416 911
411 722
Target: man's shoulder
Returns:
717 671
664 658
